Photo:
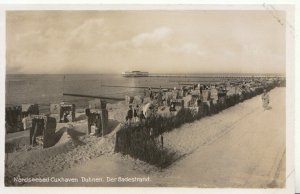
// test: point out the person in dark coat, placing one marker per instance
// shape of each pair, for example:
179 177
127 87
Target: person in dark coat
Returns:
162 141
151 95
135 113
129 115
141 116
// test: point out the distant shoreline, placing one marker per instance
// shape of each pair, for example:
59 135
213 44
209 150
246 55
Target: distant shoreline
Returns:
167 74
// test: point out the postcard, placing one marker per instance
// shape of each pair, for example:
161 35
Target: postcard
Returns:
195 97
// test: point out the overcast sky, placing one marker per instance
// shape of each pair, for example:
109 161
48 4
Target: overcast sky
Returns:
153 41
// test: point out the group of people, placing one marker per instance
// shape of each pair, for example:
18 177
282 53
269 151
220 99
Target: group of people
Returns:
200 94
169 97
134 115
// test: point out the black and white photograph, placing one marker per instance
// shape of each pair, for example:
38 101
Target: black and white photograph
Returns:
152 97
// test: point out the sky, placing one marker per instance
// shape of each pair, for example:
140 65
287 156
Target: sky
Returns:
177 41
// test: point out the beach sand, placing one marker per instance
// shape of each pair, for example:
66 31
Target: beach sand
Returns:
242 146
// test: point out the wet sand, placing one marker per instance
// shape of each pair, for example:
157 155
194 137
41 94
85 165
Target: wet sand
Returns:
242 147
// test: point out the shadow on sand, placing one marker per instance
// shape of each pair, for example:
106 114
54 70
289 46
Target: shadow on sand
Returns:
56 136
81 117
75 136
112 124
268 108
17 143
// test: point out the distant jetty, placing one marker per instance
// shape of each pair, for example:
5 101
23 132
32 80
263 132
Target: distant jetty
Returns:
135 74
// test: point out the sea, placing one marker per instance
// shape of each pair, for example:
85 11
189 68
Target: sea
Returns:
45 89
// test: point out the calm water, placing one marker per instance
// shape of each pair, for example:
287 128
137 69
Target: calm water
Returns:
45 89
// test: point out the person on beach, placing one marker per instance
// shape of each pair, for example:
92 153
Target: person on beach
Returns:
63 119
265 99
141 116
66 113
27 122
172 106
135 114
129 115
159 97
175 93
206 100
24 122
151 95
181 93
97 125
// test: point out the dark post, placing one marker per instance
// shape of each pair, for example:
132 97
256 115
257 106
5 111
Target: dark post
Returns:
88 114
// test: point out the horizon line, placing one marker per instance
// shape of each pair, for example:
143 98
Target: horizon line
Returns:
150 74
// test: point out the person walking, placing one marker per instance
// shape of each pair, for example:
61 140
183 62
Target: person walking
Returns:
265 99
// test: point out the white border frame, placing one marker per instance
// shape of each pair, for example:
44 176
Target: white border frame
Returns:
162 5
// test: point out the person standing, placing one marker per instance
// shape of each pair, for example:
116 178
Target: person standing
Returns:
24 123
265 99
151 94
160 97
172 106
135 114
27 122
141 116
129 115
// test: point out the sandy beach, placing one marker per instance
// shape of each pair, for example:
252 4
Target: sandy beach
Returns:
223 150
